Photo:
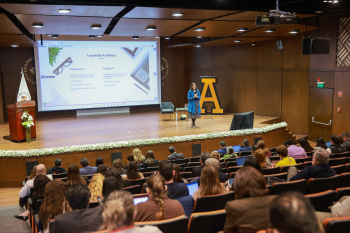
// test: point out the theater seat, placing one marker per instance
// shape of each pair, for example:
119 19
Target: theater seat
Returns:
193 164
194 159
337 225
341 192
321 201
58 176
302 160
138 181
136 189
316 185
233 169
297 185
147 174
245 153
181 161
93 204
282 176
345 180
189 169
337 161
186 175
339 169
269 171
208 222
340 155
231 164
187 203
173 225
300 167
151 169
213 202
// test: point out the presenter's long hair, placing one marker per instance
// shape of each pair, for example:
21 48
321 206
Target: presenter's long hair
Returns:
192 86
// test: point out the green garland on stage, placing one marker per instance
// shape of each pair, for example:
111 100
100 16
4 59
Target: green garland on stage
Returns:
141 142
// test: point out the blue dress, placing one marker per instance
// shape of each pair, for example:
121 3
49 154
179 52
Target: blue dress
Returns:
194 110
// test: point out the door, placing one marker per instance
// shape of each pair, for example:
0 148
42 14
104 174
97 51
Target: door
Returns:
320 113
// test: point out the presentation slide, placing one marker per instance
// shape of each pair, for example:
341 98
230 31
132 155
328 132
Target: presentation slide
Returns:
97 74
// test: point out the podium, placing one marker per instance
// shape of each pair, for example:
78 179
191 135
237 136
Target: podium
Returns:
15 111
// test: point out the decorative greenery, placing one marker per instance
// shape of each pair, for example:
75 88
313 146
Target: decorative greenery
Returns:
27 119
53 53
141 142
183 117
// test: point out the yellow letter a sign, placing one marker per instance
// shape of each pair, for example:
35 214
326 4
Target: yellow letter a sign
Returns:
209 83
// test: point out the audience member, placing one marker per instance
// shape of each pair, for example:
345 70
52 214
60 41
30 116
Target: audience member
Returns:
32 173
261 145
291 212
215 163
248 213
198 170
57 169
336 146
178 177
99 161
118 214
86 170
319 168
132 173
54 202
150 161
252 162
346 139
112 171
139 158
74 176
305 145
321 143
96 183
222 150
294 151
102 169
158 206
245 146
282 152
254 148
264 161
130 158
339 209
110 184
118 164
209 183
215 155
230 153
174 190
23 200
81 219
174 155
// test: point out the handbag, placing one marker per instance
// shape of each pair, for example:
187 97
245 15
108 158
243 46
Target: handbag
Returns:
271 180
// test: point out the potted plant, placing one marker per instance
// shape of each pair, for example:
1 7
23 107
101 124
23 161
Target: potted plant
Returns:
27 122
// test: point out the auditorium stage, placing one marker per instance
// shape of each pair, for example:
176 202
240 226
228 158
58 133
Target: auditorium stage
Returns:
68 131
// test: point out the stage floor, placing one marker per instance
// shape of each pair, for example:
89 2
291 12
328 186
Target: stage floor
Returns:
69 131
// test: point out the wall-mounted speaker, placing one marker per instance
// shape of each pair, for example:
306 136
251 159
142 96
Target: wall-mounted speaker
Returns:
320 45
306 45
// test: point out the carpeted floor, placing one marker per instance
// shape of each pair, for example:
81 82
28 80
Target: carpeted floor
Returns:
10 224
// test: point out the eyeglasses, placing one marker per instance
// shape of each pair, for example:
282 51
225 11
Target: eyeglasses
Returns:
66 63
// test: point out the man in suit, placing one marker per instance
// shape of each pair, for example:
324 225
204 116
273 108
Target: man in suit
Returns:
174 155
245 146
81 219
319 168
223 149
86 170
57 169
197 171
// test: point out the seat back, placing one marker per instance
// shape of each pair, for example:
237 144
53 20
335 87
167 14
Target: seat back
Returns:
310 154
193 164
212 202
58 176
245 153
187 203
297 185
147 174
230 159
337 225
194 159
300 166
94 204
341 192
208 222
233 169
269 171
138 181
31 191
232 174
189 169
316 185
337 161
186 175
39 202
302 160
339 169
345 180
321 201
340 155
173 225
142 170
231 163
136 189
151 169
274 158
224 170
166 106
181 161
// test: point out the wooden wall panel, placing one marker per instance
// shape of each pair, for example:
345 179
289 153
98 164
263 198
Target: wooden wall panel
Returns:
12 172
269 57
268 93
2 112
203 58
292 54
244 91
324 76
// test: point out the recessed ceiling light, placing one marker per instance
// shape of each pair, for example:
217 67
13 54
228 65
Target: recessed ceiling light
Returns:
253 44
92 36
270 30
14 45
151 28
335 1
237 41
38 25
99 36
135 37
294 31
177 14
242 29
167 37
156 36
199 29
199 37
49 34
96 26
325 1
330 1
198 46
54 36
64 11
318 12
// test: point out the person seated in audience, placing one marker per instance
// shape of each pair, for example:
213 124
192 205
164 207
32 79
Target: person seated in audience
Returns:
209 183
293 213
222 150
138 157
336 146
178 177
118 215
174 190
74 176
295 151
346 140
81 218
319 168
321 143
264 161
198 170
248 213
254 148
40 183
54 202
112 171
96 183
305 145
130 158
150 161
132 173
23 200
99 161
159 206
110 184
223 177
57 169
215 155
252 162
118 164
261 145
230 153
339 209
282 152
86 170
174 155
245 146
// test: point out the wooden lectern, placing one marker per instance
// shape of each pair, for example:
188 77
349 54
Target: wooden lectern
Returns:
15 111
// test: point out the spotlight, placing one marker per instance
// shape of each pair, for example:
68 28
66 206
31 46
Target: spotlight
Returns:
199 29
318 12
38 25
242 29
294 31
151 28
197 46
135 37
14 45
49 35
156 36
253 44
64 11
177 14
335 1
54 36
92 36
167 37
99 36
96 26
237 41
199 37
270 30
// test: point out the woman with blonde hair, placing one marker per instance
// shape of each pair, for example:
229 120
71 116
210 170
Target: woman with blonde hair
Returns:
209 183
138 157
215 155
74 176
262 159
96 183
261 145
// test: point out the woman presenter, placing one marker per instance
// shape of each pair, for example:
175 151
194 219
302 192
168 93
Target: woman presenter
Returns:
194 110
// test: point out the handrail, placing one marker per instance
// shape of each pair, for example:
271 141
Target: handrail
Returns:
313 121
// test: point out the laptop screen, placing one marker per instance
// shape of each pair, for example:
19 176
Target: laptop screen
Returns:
236 148
328 144
138 200
240 161
192 187
230 181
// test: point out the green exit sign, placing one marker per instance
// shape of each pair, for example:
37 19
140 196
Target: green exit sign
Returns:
320 84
